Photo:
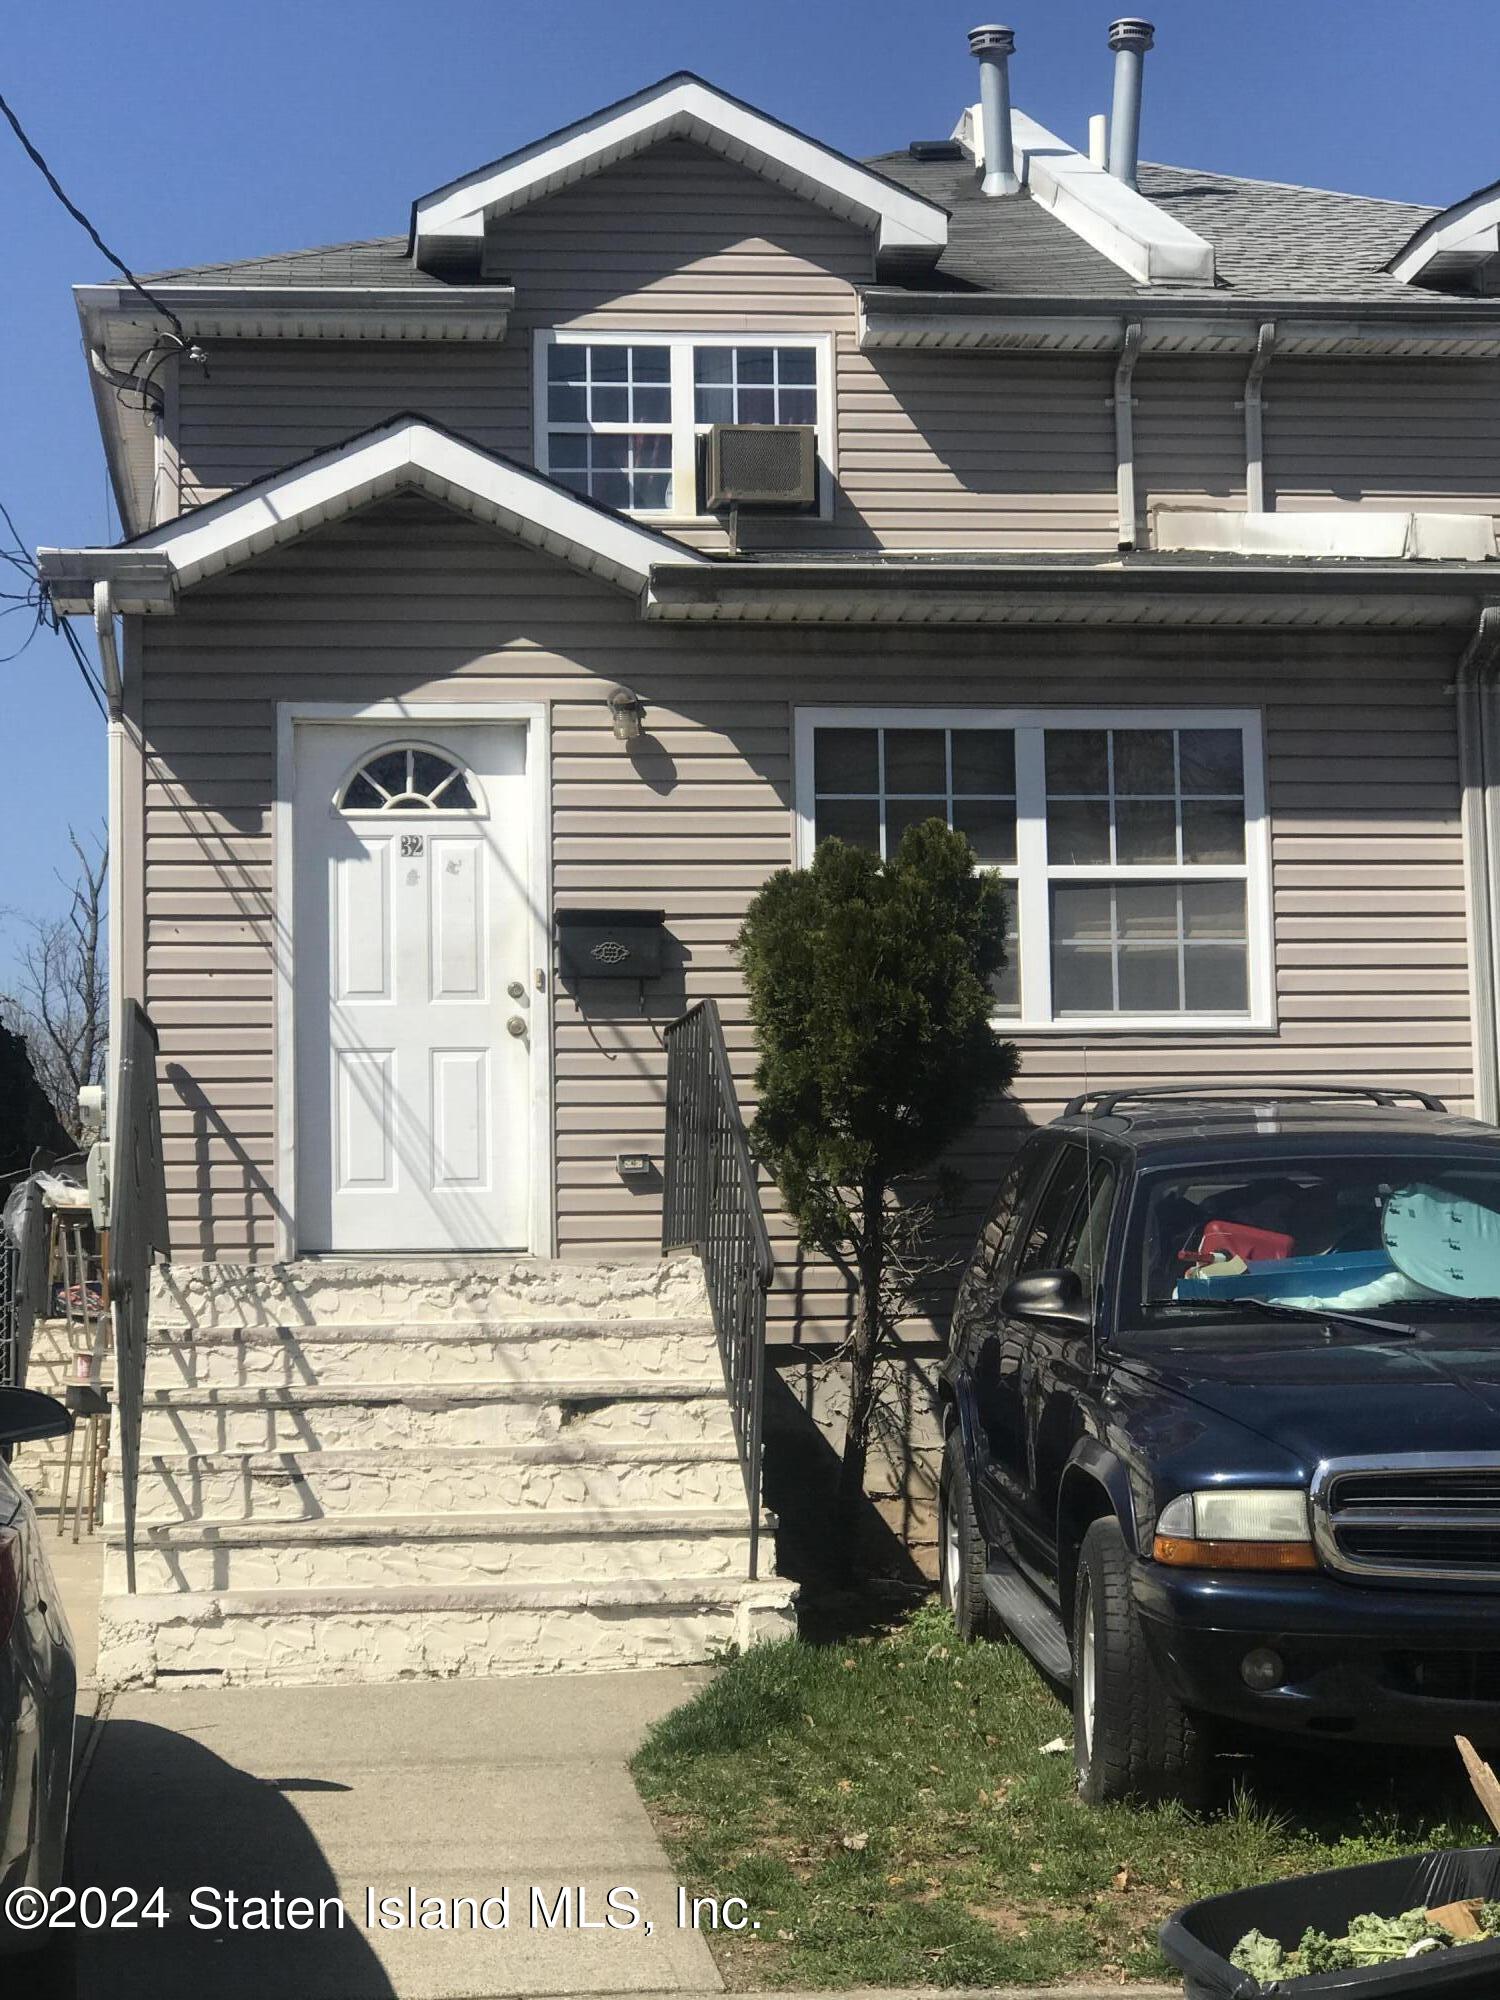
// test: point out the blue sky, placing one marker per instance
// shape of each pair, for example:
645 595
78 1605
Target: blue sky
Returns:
197 133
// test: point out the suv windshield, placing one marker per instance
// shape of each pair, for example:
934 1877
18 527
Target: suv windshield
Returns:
1416 1234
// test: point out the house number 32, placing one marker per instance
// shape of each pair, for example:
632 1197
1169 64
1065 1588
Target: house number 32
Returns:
411 843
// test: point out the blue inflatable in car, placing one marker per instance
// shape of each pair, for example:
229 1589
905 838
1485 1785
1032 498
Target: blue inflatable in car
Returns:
1444 1242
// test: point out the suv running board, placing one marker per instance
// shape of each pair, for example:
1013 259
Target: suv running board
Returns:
1029 1619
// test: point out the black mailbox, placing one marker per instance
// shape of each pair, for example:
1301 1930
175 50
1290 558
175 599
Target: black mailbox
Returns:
610 944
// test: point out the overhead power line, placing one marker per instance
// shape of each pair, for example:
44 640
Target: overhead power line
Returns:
33 598
83 222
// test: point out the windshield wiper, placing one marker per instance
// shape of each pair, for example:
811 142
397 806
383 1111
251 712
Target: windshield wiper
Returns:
1328 1315
1277 1309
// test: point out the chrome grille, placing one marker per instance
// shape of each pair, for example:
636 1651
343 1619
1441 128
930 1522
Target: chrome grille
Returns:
1428 1517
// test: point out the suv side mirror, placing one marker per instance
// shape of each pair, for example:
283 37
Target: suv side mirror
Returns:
26 1415
1047 1297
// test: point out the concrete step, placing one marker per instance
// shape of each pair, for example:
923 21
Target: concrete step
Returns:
396 1416
431 1351
432 1479
291 1636
328 1291
580 1545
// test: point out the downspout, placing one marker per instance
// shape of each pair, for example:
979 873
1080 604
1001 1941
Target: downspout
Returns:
1124 403
114 692
1479 775
1255 451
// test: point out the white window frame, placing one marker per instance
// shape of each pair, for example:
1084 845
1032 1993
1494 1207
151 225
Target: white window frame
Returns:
1032 875
684 427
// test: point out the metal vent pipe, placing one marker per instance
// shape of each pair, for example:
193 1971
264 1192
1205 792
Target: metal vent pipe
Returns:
994 47
1130 40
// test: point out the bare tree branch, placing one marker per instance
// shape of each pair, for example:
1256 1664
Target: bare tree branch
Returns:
60 996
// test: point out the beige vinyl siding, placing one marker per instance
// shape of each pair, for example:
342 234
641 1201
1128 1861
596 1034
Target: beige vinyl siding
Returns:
409 600
1190 433
1421 434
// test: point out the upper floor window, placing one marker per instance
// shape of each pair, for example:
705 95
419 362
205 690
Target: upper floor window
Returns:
619 417
1135 846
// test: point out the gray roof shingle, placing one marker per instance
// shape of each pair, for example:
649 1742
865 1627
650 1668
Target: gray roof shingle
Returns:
1271 242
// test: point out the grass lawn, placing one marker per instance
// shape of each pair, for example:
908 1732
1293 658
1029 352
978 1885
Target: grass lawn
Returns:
886 1811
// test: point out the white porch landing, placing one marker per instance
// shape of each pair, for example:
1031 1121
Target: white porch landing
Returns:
373 1471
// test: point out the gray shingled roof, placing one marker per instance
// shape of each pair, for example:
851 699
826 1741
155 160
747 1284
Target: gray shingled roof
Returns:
376 260
1272 242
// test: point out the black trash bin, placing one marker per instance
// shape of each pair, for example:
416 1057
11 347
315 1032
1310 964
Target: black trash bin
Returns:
1199 1939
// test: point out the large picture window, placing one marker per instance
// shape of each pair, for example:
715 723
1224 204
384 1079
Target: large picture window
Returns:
619 417
1134 844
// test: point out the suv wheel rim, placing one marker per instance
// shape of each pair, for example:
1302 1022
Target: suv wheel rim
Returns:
950 1549
1086 1672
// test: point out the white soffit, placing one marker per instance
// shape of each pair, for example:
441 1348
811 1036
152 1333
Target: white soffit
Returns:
1116 220
1372 535
448 225
405 455
1454 244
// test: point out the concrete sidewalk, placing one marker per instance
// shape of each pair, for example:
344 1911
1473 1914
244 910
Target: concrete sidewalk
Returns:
461 1789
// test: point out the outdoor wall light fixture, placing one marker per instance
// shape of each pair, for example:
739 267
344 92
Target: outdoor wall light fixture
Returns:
626 714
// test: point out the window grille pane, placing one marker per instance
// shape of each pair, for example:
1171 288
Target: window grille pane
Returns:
796 364
798 406
1145 830
713 364
1216 977
1077 832
568 449
653 489
1149 979
388 771
428 771
903 813
360 794
984 760
1213 830
1082 980
854 820
1213 760
609 403
1082 912
652 405
1144 761
612 488
651 364
455 796
991 828
608 363
755 364
567 402
916 760
1146 910
1213 909
1077 760
712 405
846 760
756 406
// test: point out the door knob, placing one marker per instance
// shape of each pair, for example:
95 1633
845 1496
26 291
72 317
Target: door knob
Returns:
516 1026
516 990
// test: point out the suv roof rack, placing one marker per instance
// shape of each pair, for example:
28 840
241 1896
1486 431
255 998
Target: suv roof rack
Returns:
1104 1103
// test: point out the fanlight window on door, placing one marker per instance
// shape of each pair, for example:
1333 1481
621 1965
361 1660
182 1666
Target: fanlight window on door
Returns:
408 778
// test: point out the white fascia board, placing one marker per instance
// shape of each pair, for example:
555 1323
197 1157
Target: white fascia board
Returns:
908 228
1118 221
307 312
1469 232
406 454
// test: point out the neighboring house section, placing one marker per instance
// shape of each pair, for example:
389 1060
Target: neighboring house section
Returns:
1150 543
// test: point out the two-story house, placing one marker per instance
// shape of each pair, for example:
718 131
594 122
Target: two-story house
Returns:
1137 520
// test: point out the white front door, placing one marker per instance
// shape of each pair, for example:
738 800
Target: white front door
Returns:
412 985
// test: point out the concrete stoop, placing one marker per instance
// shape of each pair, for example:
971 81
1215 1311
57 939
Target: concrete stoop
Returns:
373 1471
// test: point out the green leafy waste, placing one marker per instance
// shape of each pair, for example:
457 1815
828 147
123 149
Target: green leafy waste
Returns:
1369 1940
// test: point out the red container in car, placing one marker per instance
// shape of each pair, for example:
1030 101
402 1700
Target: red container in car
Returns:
1256 1246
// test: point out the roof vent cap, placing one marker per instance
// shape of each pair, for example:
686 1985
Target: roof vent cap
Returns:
994 46
1131 33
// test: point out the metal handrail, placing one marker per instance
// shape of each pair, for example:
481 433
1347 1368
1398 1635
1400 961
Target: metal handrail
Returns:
137 1234
712 1205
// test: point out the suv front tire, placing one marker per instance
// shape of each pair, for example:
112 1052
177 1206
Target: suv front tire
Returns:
961 1546
1132 1738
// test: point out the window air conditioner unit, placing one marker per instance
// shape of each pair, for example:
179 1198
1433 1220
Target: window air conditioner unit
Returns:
761 465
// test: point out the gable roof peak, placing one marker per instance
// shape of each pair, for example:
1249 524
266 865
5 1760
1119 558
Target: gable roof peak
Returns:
447 225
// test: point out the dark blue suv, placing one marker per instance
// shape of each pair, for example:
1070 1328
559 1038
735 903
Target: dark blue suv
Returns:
1222 1404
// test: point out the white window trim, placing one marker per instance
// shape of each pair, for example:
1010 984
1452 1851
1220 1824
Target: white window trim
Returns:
685 431
1032 873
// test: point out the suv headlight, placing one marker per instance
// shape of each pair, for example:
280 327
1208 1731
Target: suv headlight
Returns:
1226 1528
